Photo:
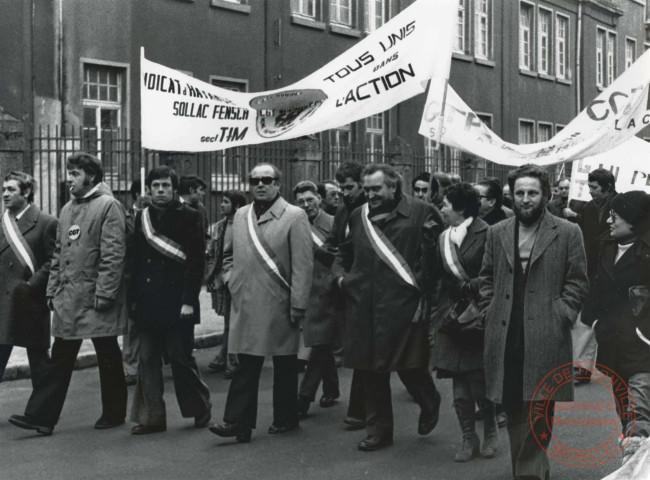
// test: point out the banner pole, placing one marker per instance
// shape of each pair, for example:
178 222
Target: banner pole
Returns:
442 115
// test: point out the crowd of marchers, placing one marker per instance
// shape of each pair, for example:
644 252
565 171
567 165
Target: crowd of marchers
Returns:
491 286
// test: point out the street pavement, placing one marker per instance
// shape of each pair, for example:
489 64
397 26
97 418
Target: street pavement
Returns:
320 449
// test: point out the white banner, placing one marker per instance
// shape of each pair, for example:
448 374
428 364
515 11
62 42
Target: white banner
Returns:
629 162
612 118
394 63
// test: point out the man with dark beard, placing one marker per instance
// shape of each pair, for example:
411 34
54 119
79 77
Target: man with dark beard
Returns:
532 284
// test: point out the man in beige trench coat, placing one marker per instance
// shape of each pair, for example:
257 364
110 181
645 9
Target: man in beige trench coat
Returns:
270 283
533 282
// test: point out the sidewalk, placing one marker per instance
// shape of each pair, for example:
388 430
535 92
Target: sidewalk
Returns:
208 333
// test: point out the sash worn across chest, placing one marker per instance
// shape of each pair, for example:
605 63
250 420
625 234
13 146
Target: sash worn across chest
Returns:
386 250
17 243
263 253
317 236
450 258
160 242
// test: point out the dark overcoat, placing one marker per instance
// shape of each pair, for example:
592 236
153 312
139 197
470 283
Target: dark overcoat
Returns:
24 316
321 325
557 286
383 332
621 334
450 354
160 285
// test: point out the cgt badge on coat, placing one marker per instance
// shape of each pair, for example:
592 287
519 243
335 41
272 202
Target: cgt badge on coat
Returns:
73 232
583 433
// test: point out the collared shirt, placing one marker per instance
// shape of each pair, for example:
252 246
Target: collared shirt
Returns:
458 234
17 217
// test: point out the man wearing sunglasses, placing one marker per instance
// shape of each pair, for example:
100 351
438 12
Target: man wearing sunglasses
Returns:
420 186
270 283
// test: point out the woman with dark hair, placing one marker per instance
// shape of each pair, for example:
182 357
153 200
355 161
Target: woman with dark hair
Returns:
455 321
219 272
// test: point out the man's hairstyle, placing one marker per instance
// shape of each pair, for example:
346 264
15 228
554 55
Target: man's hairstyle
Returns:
532 171
455 178
604 178
276 171
494 190
237 198
463 198
135 189
163 171
322 190
189 182
305 186
349 170
391 177
88 163
560 180
422 177
25 181
439 181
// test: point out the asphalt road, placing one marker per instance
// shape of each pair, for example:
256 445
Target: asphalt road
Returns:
319 449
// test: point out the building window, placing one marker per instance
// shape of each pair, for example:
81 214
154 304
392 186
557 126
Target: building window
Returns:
630 52
544 42
307 8
561 47
611 57
375 14
544 132
375 135
483 44
600 57
526 132
337 146
341 12
525 36
461 28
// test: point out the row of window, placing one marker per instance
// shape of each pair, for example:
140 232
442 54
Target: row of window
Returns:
344 12
543 133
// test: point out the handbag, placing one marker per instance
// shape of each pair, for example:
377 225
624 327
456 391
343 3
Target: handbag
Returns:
463 320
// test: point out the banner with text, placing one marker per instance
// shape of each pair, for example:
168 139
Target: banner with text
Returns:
619 112
629 162
392 64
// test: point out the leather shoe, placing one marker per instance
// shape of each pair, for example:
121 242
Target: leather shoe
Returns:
428 421
203 421
374 442
327 401
147 429
582 376
278 429
354 423
28 423
104 424
243 434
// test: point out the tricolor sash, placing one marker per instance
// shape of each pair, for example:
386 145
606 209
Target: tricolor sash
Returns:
17 243
385 249
317 236
160 242
264 254
450 259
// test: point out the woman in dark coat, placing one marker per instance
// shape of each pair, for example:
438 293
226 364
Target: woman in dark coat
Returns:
620 308
459 355
218 272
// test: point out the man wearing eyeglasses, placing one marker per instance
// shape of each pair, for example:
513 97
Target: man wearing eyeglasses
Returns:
270 283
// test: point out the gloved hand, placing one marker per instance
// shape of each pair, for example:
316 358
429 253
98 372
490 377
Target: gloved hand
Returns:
102 304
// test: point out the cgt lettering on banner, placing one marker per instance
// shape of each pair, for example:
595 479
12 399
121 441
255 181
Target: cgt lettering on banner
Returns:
376 86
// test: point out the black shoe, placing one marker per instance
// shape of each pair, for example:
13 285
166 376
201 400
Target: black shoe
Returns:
147 429
303 406
502 419
28 423
327 401
428 421
581 376
243 434
203 421
374 442
130 380
354 423
104 424
279 429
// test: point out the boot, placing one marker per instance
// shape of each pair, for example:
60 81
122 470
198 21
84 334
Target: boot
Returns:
490 429
471 443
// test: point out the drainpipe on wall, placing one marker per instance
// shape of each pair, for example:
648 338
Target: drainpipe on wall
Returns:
578 60
60 67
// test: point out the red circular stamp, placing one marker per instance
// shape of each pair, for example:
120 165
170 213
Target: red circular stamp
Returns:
583 433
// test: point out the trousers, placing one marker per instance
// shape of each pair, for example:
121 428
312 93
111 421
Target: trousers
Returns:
321 366
51 388
192 394
241 403
37 358
527 456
